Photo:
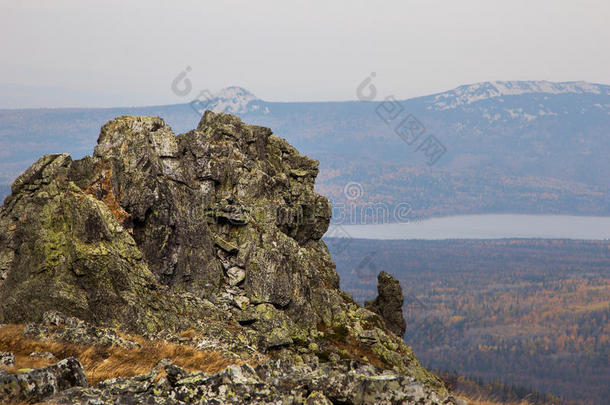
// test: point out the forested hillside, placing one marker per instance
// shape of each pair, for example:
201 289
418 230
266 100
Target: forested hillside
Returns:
535 313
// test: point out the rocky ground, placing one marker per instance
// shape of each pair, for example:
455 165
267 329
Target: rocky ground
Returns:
216 232
280 378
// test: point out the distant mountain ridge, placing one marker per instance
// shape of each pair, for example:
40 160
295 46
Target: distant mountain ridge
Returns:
511 146
472 93
234 100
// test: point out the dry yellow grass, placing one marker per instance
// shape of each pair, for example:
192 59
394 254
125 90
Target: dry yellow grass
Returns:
101 363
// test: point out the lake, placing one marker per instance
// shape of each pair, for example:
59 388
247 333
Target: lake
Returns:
490 226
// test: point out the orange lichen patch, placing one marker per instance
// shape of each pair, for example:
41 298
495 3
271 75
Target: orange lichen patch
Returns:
358 351
355 350
102 190
102 363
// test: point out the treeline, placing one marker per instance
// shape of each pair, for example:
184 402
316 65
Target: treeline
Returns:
495 390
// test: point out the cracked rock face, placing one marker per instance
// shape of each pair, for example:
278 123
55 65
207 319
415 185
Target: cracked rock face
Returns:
226 210
388 303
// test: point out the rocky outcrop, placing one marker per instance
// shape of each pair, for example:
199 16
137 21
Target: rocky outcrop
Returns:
62 249
388 303
36 385
216 230
224 212
279 382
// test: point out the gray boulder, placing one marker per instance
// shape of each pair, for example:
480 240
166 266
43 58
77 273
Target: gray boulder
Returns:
36 385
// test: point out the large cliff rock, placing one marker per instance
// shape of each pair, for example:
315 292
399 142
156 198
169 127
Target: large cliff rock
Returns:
225 211
218 230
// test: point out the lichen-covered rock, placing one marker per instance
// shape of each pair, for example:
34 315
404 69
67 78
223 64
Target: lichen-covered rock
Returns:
73 330
68 253
388 303
7 359
43 355
200 212
218 230
280 382
36 385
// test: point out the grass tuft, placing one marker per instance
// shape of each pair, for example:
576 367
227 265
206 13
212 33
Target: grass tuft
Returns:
102 363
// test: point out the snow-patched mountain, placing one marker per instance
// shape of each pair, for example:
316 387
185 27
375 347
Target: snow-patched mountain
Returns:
236 100
472 93
502 103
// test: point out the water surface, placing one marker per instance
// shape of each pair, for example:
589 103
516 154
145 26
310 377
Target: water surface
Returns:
491 226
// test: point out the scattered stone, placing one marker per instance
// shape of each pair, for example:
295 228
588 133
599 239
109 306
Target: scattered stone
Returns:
277 382
56 318
236 275
7 359
37 385
73 330
43 355
388 303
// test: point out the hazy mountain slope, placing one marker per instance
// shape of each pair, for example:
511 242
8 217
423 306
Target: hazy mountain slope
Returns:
510 146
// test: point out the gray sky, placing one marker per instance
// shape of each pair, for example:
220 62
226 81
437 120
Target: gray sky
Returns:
115 53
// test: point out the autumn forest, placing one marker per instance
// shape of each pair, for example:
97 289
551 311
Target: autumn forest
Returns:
534 312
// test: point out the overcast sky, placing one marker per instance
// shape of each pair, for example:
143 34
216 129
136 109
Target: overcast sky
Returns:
119 53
